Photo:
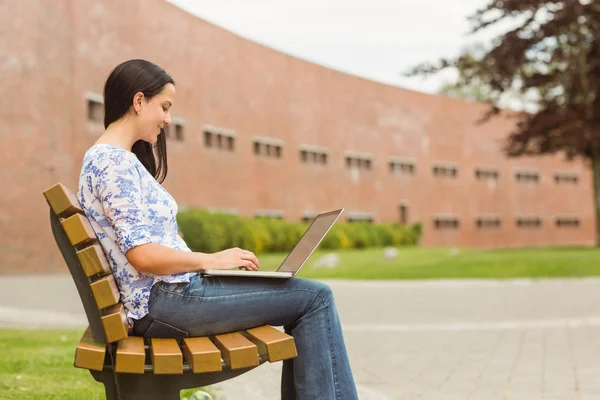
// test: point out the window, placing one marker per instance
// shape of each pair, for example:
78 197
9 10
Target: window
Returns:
267 147
95 107
359 161
566 222
403 213
527 177
486 174
446 222
359 216
222 210
445 171
310 154
219 138
488 222
308 216
529 222
272 214
565 178
401 166
175 130
179 132
303 156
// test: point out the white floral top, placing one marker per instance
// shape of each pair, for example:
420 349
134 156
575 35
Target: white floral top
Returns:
127 207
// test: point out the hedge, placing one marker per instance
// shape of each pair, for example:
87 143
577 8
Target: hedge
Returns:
211 232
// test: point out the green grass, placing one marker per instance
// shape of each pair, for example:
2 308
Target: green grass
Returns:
435 263
39 365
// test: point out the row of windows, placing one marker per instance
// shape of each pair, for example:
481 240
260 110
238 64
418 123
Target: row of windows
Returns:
361 163
219 138
266 149
481 173
313 157
279 214
224 139
453 223
439 223
445 171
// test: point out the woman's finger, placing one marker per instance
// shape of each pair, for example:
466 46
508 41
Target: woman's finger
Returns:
252 258
249 265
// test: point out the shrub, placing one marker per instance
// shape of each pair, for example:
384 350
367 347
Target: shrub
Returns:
212 232
336 238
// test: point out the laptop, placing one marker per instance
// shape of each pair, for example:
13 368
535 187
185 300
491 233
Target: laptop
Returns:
297 257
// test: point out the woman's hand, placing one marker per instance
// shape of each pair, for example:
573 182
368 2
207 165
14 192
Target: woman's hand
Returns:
233 258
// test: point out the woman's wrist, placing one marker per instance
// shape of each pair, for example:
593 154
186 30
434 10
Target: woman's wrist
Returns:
202 261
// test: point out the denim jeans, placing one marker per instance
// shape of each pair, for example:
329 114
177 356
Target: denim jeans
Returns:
305 308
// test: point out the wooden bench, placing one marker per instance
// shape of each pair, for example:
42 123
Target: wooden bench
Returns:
132 367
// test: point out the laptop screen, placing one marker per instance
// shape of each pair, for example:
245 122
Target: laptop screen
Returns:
309 241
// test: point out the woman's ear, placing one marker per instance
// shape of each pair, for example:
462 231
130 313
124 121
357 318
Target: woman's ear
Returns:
138 100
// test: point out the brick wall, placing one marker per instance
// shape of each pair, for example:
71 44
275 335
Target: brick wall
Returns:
53 53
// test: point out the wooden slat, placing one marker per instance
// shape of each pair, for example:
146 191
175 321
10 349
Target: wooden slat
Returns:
90 354
62 200
272 344
78 229
131 355
105 291
236 350
202 355
166 356
115 323
93 261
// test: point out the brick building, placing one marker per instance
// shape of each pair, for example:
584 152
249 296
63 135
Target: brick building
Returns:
259 132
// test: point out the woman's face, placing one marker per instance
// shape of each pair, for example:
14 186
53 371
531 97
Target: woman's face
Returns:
155 114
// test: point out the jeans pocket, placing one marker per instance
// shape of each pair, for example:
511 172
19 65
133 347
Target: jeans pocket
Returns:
155 294
159 329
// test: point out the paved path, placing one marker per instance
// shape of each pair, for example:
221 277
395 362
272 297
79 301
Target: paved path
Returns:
516 339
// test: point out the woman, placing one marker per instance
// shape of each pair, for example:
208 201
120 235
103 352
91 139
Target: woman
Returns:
158 275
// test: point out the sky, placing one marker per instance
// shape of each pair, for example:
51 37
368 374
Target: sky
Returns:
375 39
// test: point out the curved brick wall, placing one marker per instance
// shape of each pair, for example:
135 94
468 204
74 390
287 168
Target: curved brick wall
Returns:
53 53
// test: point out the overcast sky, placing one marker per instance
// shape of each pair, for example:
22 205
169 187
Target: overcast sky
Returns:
375 39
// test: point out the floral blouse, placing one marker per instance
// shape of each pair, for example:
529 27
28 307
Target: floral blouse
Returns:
127 207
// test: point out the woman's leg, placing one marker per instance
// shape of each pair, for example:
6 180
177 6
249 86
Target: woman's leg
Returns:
214 305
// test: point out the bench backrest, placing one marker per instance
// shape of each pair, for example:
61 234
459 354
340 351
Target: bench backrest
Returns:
88 265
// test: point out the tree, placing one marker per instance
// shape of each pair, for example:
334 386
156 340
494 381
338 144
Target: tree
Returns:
471 86
554 49
467 86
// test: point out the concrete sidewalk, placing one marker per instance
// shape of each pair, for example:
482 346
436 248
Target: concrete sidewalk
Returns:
517 339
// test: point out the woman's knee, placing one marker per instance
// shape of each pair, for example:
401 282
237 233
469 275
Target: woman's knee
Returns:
321 290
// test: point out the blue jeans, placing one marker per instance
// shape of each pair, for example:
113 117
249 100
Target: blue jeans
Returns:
306 309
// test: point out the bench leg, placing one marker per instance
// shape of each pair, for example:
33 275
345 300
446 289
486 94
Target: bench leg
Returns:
111 390
148 387
107 379
139 387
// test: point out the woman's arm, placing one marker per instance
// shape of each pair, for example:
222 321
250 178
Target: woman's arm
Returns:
162 260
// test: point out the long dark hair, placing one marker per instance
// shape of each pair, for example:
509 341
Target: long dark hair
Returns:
122 84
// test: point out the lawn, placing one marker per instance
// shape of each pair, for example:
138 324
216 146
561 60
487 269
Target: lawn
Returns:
39 365
435 263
